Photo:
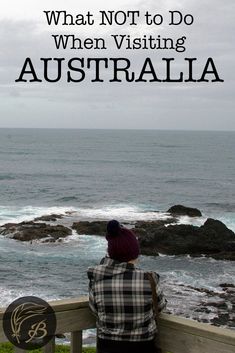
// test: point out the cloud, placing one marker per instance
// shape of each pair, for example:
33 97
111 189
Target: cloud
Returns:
130 105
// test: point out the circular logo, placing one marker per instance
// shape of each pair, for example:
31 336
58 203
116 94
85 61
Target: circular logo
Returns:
29 323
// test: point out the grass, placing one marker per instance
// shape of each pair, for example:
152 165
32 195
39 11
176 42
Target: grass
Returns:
8 348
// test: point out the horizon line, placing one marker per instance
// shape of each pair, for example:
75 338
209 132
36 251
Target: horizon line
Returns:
114 129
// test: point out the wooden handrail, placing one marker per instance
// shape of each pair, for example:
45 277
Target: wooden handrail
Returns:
178 335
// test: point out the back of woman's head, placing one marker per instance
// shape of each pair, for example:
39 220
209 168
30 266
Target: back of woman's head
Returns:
123 246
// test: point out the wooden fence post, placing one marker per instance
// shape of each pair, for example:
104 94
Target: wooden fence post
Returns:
76 342
50 346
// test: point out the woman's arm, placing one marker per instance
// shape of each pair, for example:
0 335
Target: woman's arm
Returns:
92 303
162 301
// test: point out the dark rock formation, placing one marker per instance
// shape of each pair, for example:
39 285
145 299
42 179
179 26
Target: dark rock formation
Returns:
48 218
226 286
221 320
99 227
90 228
220 305
212 239
179 210
217 229
27 231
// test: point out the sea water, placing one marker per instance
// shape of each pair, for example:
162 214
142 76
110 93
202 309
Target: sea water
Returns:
106 174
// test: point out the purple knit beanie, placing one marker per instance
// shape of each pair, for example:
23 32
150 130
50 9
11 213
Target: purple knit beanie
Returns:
123 245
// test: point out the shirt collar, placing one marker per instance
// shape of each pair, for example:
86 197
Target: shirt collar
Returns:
108 261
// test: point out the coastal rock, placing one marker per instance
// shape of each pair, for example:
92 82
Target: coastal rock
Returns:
90 228
223 255
216 228
171 240
99 227
221 320
180 210
148 225
48 218
212 239
219 306
225 286
208 292
27 231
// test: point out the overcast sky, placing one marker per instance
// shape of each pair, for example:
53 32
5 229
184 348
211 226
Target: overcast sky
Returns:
204 106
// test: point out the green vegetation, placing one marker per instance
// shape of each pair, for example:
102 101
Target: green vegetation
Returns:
8 348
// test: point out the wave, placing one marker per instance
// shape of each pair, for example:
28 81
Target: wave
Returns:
196 221
222 206
7 177
67 199
9 295
13 214
122 213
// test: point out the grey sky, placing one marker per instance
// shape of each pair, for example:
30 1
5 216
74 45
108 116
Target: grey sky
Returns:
210 106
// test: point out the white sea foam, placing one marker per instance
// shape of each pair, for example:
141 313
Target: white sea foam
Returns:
123 213
28 213
72 238
9 295
196 221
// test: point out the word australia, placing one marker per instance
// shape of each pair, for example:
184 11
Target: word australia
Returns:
118 70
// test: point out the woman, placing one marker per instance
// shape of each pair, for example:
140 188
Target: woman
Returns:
121 298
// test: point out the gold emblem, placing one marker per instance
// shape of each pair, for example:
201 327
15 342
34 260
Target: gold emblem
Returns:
24 312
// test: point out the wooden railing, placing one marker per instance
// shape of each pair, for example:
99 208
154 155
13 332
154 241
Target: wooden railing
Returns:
178 335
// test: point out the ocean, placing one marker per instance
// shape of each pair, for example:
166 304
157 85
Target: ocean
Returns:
104 174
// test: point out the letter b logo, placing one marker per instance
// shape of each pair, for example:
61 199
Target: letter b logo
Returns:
29 323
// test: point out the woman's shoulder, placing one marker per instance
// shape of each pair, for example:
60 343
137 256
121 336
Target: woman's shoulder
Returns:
102 270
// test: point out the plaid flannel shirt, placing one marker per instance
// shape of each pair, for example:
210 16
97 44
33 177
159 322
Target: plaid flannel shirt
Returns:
121 298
